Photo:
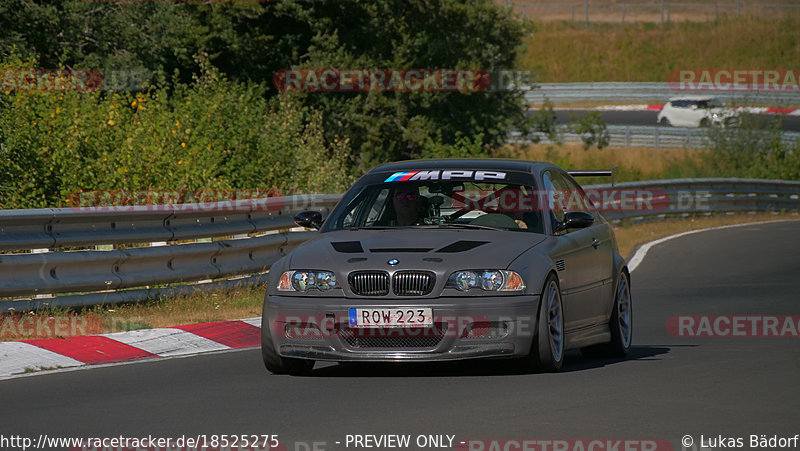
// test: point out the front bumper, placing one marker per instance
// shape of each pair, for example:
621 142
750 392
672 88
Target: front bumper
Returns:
726 121
464 328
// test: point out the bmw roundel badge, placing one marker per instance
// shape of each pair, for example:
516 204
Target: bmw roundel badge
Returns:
393 262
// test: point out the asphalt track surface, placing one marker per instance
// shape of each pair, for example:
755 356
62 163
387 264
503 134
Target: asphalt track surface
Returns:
789 123
668 387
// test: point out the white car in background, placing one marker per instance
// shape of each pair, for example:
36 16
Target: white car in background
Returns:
697 111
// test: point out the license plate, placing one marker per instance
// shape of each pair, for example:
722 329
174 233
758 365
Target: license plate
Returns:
391 317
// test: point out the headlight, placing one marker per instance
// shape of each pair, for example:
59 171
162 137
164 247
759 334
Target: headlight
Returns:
305 280
487 280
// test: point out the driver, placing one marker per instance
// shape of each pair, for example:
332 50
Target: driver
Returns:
408 205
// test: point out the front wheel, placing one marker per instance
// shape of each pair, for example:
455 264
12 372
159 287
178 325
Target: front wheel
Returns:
547 351
275 363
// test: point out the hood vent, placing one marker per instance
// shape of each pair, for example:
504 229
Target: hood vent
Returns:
461 246
347 247
401 249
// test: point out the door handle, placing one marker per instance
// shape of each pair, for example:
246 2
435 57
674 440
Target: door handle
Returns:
595 243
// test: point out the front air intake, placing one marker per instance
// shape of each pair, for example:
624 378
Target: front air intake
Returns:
413 283
369 283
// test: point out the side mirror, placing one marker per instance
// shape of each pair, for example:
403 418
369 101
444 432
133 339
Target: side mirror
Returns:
310 219
575 220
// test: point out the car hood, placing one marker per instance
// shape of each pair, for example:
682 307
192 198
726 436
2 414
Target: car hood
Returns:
428 249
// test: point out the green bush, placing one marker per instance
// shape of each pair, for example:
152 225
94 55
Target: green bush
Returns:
592 130
210 134
754 150
252 41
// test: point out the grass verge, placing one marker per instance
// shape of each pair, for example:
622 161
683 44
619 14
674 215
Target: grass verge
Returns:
572 52
632 163
631 236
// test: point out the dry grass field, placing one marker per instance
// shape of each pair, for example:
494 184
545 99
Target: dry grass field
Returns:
572 52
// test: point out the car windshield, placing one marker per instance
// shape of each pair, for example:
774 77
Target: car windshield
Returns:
440 204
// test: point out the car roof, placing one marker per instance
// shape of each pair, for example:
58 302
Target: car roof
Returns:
507 164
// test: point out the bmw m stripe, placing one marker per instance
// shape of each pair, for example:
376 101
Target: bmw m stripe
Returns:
400 176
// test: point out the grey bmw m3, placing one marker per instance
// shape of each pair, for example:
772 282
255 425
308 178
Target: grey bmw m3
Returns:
433 260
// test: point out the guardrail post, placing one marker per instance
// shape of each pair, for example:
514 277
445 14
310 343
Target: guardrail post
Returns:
628 136
586 12
655 144
738 7
623 14
662 13
572 7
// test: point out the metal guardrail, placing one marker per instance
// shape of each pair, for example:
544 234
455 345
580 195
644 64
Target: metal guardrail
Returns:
625 92
256 235
105 273
65 227
684 197
646 136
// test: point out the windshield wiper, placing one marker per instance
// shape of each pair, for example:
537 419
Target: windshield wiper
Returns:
429 226
468 226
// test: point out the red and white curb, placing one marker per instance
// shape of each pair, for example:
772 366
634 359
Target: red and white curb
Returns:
745 109
27 356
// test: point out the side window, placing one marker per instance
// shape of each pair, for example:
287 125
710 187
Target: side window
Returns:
564 195
579 201
554 190
353 216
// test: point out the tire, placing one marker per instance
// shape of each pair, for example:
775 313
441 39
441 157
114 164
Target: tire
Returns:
705 123
547 349
275 363
621 323
664 122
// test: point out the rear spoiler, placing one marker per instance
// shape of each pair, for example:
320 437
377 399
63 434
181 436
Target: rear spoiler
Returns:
596 173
